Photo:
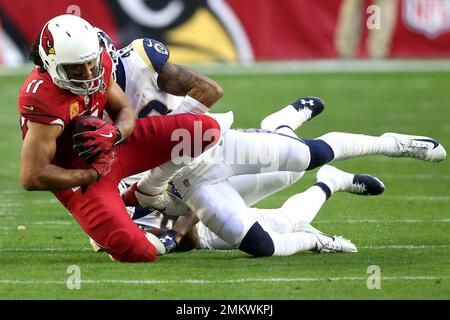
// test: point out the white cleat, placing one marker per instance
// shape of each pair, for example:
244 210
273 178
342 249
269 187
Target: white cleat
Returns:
327 243
338 180
335 244
418 147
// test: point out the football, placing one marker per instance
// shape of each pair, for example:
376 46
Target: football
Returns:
82 124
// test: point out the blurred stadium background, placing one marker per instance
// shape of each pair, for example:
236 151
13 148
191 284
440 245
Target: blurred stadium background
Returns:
207 31
381 65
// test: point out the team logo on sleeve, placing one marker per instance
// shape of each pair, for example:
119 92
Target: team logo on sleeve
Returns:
47 41
160 48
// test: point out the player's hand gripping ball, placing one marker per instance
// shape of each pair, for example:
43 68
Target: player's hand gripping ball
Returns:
91 137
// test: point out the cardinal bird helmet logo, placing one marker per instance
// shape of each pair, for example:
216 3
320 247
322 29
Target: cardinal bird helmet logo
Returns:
47 41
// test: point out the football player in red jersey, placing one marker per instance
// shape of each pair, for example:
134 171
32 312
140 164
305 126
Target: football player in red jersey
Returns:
73 78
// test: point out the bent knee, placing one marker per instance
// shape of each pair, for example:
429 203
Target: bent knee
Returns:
257 242
126 248
211 132
321 153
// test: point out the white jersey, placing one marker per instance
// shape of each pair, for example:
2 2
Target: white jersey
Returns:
137 74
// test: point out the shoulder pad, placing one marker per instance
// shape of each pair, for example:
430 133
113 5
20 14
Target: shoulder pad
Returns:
152 52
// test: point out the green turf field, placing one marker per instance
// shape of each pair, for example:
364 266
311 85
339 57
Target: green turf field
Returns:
405 231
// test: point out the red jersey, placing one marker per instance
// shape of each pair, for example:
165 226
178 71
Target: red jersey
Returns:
42 101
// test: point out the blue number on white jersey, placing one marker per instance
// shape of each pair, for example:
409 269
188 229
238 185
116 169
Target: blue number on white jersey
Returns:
152 107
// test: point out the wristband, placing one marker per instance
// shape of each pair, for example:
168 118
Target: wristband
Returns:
190 105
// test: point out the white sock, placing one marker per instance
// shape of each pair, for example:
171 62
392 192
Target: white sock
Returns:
288 116
304 206
190 105
335 179
301 207
348 145
290 243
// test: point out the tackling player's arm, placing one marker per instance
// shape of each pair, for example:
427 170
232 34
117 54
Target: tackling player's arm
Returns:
183 236
184 225
189 241
182 81
36 170
120 110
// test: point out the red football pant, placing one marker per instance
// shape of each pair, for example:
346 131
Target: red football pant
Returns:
100 210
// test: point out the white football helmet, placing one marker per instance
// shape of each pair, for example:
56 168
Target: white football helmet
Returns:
68 40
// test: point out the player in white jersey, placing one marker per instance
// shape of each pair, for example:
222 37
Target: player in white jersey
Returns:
205 184
152 84
295 215
137 69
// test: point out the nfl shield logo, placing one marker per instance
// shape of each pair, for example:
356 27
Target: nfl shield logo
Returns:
429 17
